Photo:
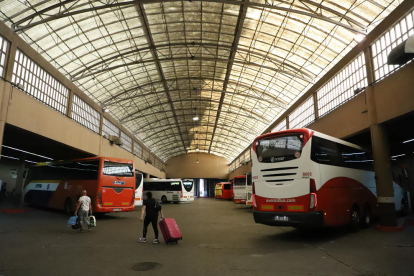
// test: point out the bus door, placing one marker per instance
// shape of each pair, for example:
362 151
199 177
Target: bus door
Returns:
218 190
249 192
118 185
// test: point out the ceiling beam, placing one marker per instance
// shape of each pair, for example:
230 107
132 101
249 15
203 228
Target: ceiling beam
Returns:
146 27
303 76
171 102
250 87
237 33
44 15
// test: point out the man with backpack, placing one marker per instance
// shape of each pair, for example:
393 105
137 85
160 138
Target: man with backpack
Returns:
151 207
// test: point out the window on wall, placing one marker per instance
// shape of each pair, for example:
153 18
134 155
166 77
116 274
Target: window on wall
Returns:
126 142
247 155
237 163
280 126
137 149
383 46
38 83
145 154
109 128
3 54
341 88
85 114
303 115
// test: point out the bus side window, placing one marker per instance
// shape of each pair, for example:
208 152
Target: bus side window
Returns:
325 152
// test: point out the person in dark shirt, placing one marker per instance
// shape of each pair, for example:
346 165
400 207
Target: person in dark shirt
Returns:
151 216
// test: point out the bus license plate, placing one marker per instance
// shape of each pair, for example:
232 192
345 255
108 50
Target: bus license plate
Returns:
118 209
284 218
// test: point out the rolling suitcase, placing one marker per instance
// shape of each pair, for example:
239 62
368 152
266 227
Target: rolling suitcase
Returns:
170 230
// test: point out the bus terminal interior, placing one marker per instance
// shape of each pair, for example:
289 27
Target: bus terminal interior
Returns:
309 104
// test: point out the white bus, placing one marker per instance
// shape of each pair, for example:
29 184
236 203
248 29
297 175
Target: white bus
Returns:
168 190
139 184
188 189
249 193
239 189
305 178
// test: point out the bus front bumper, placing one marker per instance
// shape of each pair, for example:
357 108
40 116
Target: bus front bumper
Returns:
312 219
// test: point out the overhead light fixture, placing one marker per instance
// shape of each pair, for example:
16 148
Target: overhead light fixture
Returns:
150 150
397 155
195 118
359 37
197 161
411 140
197 149
27 152
105 109
18 158
30 161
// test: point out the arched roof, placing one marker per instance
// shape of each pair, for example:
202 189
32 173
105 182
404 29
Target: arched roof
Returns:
157 64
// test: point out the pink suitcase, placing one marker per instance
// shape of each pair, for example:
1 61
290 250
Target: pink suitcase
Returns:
170 230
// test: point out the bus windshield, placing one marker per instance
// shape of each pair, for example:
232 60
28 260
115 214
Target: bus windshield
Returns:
279 148
240 182
138 179
188 185
218 186
226 186
118 169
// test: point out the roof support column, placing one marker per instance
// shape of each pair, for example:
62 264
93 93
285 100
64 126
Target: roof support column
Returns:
382 157
143 17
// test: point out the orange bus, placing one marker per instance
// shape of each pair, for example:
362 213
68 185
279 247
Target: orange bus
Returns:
224 190
109 182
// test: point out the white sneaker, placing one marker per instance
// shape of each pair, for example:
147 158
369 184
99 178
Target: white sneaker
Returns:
142 240
156 241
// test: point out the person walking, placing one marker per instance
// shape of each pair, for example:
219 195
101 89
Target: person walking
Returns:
151 207
85 208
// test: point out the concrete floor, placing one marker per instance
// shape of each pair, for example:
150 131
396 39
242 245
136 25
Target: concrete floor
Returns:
220 238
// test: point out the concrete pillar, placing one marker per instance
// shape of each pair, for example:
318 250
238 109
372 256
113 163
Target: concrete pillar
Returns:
315 105
287 122
381 152
20 169
382 165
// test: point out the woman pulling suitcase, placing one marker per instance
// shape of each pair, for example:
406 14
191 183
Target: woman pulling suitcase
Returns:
151 207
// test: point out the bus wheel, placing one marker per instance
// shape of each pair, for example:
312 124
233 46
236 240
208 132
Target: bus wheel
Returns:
68 207
164 199
355 219
366 219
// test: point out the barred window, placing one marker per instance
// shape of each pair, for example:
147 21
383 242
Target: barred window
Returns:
383 46
126 142
280 126
3 54
109 128
341 88
85 114
247 155
303 115
145 154
39 83
237 163
137 149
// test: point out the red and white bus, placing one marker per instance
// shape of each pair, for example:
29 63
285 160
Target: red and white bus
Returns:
239 189
224 190
109 182
305 178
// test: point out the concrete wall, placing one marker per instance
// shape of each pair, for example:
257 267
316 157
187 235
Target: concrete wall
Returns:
243 169
209 166
28 113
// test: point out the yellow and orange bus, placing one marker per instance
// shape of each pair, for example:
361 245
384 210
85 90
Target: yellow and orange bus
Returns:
109 182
